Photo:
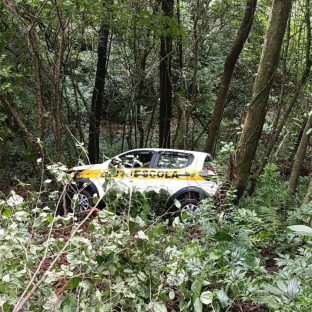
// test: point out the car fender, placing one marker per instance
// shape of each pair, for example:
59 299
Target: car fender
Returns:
189 189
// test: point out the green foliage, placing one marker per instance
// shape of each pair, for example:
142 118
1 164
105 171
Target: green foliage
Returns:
137 262
271 197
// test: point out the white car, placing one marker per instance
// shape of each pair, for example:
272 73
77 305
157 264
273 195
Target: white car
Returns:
186 176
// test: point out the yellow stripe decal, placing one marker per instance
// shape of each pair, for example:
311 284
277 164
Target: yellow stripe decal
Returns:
144 174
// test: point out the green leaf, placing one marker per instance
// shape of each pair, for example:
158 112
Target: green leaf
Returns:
100 259
223 236
223 298
301 230
206 297
60 244
197 286
251 261
7 307
74 282
108 259
6 212
159 307
293 288
198 306
171 294
183 305
69 304
50 218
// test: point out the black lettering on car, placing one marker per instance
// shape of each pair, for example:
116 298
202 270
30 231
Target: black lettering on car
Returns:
175 174
152 173
136 173
168 175
145 173
160 174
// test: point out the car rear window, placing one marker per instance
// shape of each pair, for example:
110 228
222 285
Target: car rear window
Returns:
169 160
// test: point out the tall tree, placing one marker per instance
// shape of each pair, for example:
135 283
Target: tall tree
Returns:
165 110
228 70
98 91
300 155
256 111
281 122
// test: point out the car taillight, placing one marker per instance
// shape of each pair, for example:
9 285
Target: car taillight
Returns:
211 171
207 171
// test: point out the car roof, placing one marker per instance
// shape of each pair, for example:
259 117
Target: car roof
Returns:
168 150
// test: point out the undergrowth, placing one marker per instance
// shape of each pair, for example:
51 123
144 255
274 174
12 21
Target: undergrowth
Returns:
236 259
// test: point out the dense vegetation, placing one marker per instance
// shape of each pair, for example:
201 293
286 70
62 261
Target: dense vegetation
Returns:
81 81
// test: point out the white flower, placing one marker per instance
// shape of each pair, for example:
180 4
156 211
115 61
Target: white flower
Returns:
39 160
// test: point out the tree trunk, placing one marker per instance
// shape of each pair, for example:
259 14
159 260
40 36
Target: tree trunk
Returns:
308 197
98 91
229 65
57 99
256 112
33 42
298 89
27 134
300 155
165 110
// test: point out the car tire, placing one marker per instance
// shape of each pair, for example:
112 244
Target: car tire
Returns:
76 201
188 206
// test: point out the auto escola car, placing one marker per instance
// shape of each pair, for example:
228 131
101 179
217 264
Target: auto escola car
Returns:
186 176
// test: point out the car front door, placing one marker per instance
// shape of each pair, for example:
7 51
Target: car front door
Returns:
132 168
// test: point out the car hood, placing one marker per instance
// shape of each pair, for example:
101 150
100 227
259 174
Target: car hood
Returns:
90 167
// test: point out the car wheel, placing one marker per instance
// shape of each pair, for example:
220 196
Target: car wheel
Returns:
76 201
81 202
188 207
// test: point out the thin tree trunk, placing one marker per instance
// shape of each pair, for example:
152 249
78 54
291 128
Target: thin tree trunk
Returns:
229 66
298 89
300 155
165 110
33 42
151 122
58 88
180 40
28 135
277 118
98 91
142 97
308 198
262 86
179 140
195 53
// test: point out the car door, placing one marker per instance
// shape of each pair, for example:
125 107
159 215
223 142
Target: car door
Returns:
131 168
171 171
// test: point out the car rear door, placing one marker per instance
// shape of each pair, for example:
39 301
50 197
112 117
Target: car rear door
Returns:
171 171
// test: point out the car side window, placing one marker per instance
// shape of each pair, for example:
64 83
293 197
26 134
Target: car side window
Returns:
139 159
169 160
